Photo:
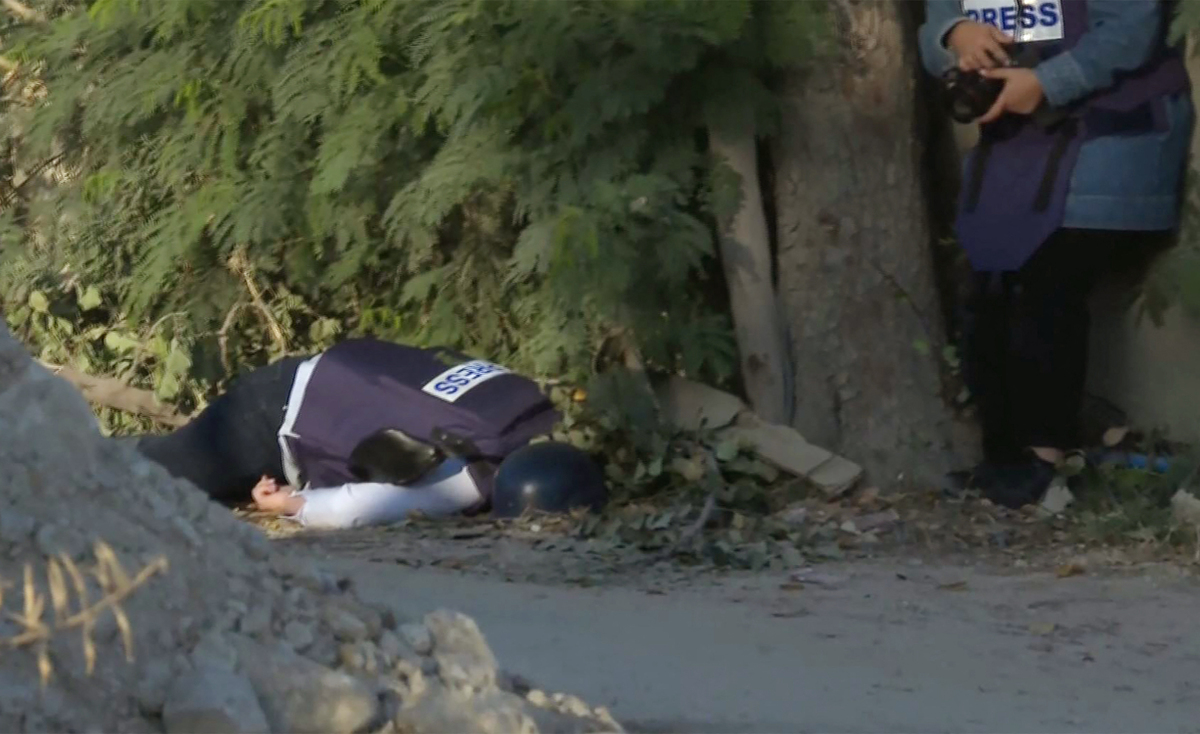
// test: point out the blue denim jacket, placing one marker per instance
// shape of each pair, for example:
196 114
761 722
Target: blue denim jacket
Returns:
1119 182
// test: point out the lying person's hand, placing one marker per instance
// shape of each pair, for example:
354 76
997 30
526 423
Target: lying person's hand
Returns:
272 498
265 485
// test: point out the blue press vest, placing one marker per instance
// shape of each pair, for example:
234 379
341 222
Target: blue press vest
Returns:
1018 178
362 386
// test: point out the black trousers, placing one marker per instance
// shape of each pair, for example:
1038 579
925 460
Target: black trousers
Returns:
233 442
1027 338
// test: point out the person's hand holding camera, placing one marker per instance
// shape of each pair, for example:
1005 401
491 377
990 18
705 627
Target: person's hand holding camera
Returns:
978 45
1022 93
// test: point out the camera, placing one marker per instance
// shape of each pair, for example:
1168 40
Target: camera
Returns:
969 94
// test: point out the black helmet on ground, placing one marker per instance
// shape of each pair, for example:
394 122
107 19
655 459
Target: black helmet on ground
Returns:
548 476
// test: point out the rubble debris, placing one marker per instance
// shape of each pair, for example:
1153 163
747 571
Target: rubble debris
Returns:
213 700
232 636
794 517
817 578
782 446
692 406
1185 508
877 521
301 696
1057 498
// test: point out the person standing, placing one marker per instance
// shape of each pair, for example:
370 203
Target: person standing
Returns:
1078 172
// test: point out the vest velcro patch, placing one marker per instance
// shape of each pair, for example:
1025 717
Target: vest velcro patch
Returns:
456 381
1025 20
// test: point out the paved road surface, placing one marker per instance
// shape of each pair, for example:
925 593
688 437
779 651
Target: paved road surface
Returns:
876 648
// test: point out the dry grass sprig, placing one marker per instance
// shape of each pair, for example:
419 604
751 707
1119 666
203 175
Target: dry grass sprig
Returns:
115 585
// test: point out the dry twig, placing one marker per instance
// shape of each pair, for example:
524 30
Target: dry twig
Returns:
30 175
240 265
24 12
223 334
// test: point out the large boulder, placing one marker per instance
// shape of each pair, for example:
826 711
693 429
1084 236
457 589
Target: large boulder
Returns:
221 633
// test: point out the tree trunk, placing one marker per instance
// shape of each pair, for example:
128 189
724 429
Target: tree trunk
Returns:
855 254
746 258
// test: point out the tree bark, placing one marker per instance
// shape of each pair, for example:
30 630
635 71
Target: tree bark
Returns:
745 247
855 254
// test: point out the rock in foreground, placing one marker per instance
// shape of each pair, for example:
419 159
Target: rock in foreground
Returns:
225 635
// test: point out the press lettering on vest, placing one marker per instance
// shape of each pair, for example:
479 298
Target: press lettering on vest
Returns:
1050 14
1029 17
1024 21
456 381
1008 19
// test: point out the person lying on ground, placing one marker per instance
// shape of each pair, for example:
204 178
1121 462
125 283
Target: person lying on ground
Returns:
368 431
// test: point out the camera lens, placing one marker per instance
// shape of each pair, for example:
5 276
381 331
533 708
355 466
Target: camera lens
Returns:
962 110
960 100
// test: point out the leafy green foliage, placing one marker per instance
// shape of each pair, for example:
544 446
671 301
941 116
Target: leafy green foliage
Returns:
1124 501
1175 278
518 178
69 325
1186 19
1128 508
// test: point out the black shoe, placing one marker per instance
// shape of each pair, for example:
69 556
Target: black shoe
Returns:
955 483
1017 483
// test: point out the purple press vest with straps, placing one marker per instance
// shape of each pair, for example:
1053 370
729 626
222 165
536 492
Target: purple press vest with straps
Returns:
1017 200
362 386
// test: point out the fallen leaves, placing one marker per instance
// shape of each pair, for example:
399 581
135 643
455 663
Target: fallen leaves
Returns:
817 578
1043 629
868 499
1067 570
737 534
692 469
791 613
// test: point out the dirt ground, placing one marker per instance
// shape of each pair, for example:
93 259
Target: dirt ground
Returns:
962 618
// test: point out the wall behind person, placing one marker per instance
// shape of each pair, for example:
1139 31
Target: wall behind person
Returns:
1152 372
